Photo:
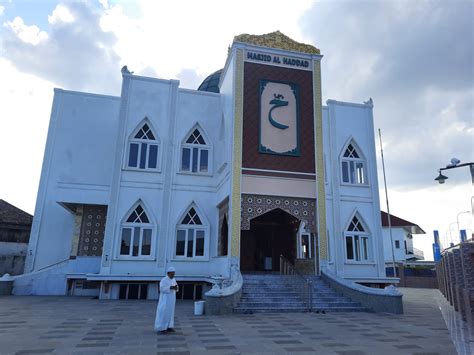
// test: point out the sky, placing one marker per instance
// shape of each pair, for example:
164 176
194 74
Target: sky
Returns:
414 58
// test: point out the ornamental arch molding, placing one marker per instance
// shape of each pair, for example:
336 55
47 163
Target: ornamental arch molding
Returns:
253 206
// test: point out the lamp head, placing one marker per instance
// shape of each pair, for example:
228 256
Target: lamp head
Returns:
455 161
441 178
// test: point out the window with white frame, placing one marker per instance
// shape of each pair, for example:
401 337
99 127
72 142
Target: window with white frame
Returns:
195 153
136 234
353 166
143 149
304 246
191 236
357 242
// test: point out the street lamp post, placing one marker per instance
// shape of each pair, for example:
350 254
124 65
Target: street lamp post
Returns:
451 233
441 178
457 219
455 163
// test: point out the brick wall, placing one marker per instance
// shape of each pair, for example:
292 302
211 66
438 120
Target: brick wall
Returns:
455 273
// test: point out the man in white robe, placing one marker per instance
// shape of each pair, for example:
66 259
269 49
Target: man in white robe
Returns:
164 321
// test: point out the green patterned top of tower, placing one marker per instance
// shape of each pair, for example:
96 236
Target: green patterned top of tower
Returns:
276 40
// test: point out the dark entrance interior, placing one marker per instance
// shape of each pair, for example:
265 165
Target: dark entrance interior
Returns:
271 235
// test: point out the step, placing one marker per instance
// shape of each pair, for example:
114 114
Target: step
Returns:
340 309
269 310
331 299
282 293
244 310
335 304
275 298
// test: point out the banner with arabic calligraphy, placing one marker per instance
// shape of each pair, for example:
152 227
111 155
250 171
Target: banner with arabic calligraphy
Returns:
279 118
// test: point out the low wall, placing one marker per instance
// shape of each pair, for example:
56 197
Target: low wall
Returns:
418 282
417 276
221 305
387 300
223 300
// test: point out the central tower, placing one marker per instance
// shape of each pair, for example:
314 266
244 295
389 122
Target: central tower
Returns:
277 199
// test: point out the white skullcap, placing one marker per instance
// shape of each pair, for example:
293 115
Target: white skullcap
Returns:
171 269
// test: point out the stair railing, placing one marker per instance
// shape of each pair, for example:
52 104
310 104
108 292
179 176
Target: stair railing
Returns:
302 285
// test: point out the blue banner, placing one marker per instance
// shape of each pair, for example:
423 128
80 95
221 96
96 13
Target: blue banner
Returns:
436 252
436 237
463 235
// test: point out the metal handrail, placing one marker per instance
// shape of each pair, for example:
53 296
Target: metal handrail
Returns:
287 268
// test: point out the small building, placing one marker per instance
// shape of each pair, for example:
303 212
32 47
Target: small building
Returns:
15 227
402 236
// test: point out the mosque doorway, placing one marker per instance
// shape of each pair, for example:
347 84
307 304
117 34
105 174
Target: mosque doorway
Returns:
271 235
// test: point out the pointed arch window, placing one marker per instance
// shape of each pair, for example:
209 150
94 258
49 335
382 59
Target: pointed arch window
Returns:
353 166
195 153
191 236
143 149
357 241
136 234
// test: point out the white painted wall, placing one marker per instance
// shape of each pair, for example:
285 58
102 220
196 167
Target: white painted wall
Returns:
397 234
341 123
167 193
76 168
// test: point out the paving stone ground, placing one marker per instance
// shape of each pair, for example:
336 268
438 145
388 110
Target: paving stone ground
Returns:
73 325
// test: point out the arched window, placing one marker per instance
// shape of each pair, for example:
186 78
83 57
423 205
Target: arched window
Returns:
143 148
357 241
191 236
195 153
353 166
136 234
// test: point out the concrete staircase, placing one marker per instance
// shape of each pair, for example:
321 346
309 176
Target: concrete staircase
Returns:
279 293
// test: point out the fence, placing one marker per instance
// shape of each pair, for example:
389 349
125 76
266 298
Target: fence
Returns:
415 276
455 273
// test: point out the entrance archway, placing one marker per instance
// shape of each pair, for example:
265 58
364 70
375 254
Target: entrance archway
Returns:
271 235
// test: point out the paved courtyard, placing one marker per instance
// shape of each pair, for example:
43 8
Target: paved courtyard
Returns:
72 325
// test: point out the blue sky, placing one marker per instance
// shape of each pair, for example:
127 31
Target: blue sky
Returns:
33 12
414 58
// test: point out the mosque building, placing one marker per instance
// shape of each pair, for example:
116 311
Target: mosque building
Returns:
249 169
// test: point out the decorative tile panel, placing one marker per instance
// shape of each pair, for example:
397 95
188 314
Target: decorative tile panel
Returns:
253 206
91 238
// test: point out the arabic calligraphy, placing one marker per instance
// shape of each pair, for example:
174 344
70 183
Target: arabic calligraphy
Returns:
277 101
279 122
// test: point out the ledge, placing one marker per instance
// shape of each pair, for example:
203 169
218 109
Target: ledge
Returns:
387 300
135 277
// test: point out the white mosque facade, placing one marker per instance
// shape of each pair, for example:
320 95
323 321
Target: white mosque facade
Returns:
250 167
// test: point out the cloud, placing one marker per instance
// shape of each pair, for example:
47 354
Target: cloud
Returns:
75 53
415 59
27 34
2 10
190 79
170 36
60 14
24 112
